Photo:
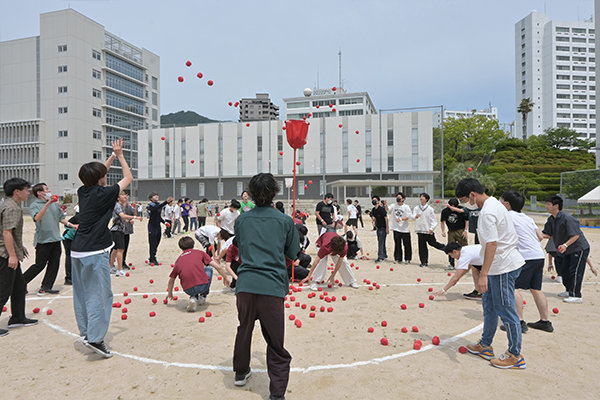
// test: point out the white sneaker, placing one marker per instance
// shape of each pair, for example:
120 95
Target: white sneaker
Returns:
113 270
576 300
313 286
354 285
192 305
559 279
120 273
201 300
563 294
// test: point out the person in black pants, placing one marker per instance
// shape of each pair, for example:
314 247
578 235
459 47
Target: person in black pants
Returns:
67 239
154 219
12 253
381 223
359 213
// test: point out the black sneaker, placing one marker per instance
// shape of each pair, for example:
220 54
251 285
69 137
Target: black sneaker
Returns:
524 327
125 266
68 282
273 397
3 332
43 292
474 295
541 325
100 348
242 378
24 322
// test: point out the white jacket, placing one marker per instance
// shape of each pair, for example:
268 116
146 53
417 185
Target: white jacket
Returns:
427 221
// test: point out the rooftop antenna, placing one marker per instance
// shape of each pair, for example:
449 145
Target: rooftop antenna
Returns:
340 68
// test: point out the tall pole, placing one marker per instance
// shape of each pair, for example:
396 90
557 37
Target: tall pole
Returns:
270 137
173 158
442 155
380 150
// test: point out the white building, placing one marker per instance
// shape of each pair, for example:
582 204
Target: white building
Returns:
328 103
66 93
347 154
490 112
555 66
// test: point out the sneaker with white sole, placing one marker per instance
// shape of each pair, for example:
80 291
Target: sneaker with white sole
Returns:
113 270
242 378
313 286
485 352
509 361
192 305
99 348
574 300
563 294
201 299
354 285
12 323
120 273
3 332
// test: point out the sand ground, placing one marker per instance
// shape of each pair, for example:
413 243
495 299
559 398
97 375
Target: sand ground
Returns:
334 357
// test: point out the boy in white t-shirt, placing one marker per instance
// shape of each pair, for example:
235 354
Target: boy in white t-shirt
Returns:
501 267
352 217
469 257
400 213
168 217
226 218
532 272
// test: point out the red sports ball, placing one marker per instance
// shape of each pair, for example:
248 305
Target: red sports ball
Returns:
384 341
404 329
192 161
415 329
124 310
165 301
334 88
247 124
298 323
201 319
555 310
154 300
230 104
305 187
435 340
210 83
281 153
152 314
469 169
357 132
298 163
310 114
462 349
330 105
437 201
188 63
333 109
292 317
383 323
311 315
145 296
199 75
421 305
344 298
317 106
127 301
430 289
417 345
370 330
124 316
329 309
208 314
358 160
431 297
151 280
135 288
125 294
418 279
180 78
310 182
340 125
49 311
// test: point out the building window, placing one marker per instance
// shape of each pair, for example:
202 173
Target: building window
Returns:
562 48
154 83
183 188
97 135
415 148
62 48
96 74
62 89
201 189
299 104
96 93
154 98
240 188
154 114
565 87
63 110
63 133
300 188
563 58
63 177
96 55
63 154
97 112
96 155
563 77
62 68
562 29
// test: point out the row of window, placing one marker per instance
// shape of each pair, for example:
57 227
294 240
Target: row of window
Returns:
95 134
576 106
578 68
575 77
575 87
578 125
575 96
566 29
580 116
576 49
574 58
565 39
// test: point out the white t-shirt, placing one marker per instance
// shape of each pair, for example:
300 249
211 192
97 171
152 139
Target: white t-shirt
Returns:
228 243
470 255
176 212
167 211
210 231
496 225
351 211
397 212
227 219
529 245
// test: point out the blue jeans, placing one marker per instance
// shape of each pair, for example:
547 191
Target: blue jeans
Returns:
193 223
381 235
499 301
201 290
92 295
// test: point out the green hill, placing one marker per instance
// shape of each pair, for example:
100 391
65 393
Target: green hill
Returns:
184 118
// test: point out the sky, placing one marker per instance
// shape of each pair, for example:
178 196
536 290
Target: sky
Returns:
459 53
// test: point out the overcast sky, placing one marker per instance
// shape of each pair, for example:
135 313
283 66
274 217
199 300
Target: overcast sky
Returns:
459 53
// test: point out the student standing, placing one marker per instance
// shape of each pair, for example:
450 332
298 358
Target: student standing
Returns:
425 225
226 218
12 253
46 240
176 221
324 214
501 267
359 213
202 212
185 213
400 213
381 223
265 237
246 204
193 217
128 228
458 225
92 293
154 219
352 217
571 244
168 216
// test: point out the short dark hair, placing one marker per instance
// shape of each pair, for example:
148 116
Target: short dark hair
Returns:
453 202
15 184
38 187
348 201
349 235
279 206
302 229
186 243
427 197
151 195
338 244
552 199
205 200
243 191
515 199
225 234
450 247
262 188
468 185
90 173
179 201
356 201
401 194
186 199
328 196
235 204
376 197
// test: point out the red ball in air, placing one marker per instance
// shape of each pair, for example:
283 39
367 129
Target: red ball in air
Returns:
199 75
230 104
188 63
358 160
305 187
210 83
180 78
357 132
298 163
317 106
192 161
333 109
340 125
247 124
281 153
162 138
437 201
469 169
310 182
330 105
310 114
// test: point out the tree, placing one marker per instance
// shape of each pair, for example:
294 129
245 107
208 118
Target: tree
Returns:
577 184
560 138
524 108
461 171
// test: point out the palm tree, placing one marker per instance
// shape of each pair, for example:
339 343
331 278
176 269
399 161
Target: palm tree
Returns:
525 107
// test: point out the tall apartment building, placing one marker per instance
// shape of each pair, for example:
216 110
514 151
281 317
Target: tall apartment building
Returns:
328 103
555 66
258 109
345 155
65 94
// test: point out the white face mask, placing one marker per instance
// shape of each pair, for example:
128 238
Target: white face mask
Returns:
48 195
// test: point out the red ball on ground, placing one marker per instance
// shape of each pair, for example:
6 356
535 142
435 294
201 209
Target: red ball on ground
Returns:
287 305
151 281
555 310
152 314
311 315
344 298
384 323
462 349
431 297
135 288
403 306
384 341
292 317
201 319
180 78
208 314
435 340
4 309
125 294
210 83
49 311
415 329
417 345
124 310
404 329
145 296
430 289
313 308
421 305
553 277
124 316
154 300
303 306
418 279
329 309
165 301
130 264
449 274
322 309
298 323
370 330
127 301
127 274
